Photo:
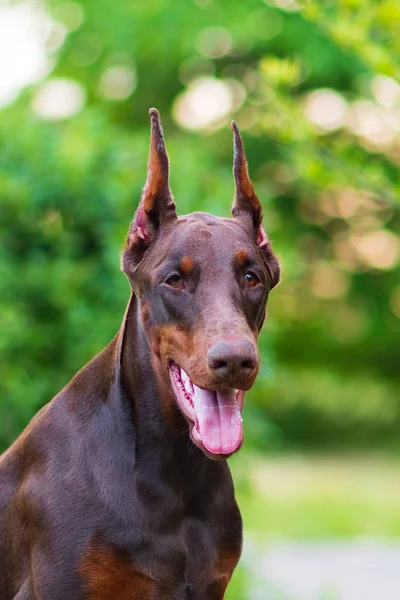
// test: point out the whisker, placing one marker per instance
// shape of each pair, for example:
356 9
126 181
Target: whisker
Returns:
265 369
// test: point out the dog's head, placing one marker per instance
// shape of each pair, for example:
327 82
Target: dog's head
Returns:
202 284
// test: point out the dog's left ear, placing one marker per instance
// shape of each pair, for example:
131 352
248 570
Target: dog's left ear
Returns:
247 207
157 207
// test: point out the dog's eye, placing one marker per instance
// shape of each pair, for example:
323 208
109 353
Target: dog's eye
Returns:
251 279
175 281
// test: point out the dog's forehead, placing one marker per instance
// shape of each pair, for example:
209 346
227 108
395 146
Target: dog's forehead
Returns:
199 232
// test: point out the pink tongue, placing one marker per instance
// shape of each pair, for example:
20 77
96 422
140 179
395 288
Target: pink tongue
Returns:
219 421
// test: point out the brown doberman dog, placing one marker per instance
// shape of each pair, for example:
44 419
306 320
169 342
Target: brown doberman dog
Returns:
119 488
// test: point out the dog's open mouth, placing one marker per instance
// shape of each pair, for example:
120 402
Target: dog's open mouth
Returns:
215 416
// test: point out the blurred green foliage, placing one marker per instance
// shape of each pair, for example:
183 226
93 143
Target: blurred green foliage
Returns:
314 89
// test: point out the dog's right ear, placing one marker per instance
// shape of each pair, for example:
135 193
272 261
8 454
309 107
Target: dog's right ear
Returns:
157 207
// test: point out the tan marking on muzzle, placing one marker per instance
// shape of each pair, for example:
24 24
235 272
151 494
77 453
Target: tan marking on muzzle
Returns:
188 349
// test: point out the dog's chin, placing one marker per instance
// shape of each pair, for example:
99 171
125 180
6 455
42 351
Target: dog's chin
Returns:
214 417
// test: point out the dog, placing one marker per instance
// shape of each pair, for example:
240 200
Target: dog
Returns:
119 488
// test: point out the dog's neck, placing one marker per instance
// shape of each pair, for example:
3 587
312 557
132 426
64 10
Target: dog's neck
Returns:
161 434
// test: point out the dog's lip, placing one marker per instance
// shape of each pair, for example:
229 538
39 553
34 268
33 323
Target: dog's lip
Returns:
175 377
214 416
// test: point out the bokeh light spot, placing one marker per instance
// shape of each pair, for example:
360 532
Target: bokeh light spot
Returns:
214 42
56 37
326 108
24 30
379 249
386 90
371 122
328 282
286 5
70 13
117 83
206 102
59 99
238 91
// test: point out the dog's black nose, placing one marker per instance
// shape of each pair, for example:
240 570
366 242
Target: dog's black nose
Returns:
233 360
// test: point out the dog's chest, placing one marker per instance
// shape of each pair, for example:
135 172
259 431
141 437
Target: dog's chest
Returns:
183 566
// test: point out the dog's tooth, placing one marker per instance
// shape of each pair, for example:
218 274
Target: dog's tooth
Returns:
188 386
184 376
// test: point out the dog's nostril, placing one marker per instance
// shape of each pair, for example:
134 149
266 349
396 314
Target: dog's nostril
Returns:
249 364
219 364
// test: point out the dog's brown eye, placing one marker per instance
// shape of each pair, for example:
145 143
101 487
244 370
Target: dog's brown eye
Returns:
175 281
251 279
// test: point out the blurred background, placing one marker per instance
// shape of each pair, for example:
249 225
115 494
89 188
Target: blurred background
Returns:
315 90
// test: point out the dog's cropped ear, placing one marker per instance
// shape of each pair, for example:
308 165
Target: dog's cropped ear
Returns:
157 206
247 208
